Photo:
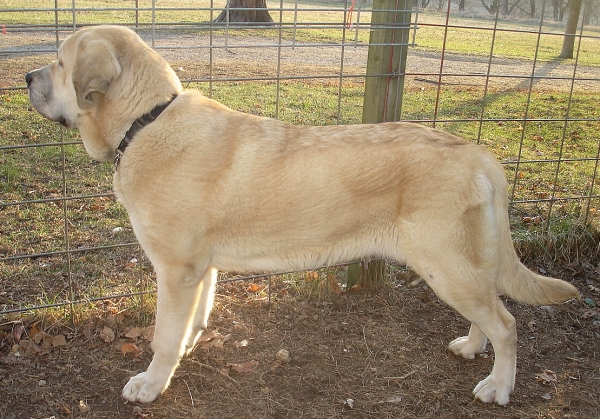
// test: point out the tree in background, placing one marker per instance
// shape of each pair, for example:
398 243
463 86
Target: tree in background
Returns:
491 8
558 10
245 11
574 9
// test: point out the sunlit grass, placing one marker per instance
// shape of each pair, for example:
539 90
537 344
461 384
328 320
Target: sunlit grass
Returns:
513 38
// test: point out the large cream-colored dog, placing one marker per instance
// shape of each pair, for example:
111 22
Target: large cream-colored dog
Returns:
210 188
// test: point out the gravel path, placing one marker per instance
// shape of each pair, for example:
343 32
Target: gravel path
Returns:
20 52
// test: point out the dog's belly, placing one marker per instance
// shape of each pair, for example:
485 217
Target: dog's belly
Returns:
276 253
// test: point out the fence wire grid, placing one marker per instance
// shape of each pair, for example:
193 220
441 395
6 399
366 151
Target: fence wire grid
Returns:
490 78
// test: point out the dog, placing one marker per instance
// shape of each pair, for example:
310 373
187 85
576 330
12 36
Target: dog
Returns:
208 188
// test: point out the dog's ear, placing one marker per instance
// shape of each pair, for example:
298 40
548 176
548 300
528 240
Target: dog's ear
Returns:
95 69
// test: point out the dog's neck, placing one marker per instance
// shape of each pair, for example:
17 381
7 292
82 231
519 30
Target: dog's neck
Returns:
137 125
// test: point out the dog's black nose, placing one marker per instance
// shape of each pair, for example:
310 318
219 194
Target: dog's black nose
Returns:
28 78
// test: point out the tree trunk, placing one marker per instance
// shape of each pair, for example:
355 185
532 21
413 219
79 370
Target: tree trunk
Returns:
569 39
493 7
588 11
532 8
556 6
246 11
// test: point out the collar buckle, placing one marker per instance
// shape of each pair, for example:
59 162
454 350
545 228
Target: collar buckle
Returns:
118 156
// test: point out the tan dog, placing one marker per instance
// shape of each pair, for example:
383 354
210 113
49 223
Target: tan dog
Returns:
210 188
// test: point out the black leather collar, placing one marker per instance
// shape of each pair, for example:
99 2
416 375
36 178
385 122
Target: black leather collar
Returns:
137 125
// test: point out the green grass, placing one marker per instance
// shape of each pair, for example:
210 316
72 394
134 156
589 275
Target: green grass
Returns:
513 39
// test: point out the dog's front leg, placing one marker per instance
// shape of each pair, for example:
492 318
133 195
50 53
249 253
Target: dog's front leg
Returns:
179 291
203 308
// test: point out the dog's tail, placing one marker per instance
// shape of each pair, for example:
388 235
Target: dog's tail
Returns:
525 286
514 279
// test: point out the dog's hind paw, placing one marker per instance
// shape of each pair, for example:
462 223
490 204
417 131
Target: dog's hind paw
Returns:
140 389
489 391
467 348
192 341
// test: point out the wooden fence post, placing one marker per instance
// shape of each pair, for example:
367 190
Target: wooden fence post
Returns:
384 87
386 63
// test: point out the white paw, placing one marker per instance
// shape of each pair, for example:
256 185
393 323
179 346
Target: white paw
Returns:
489 391
140 389
466 348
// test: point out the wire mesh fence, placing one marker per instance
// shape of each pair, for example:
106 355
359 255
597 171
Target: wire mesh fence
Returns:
491 78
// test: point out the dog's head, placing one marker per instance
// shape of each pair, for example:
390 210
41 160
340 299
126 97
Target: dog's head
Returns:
104 78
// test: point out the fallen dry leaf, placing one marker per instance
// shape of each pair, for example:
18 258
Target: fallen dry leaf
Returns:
312 275
255 287
138 413
333 285
212 339
29 347
241 344
130 348
44 340
148 333
547 377
39 337
356 287
18 333
134 333
33 331
244 367
111 319
107 334
59 340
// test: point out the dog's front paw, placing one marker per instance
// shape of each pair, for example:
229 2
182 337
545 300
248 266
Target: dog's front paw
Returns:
467 348
139 388
489 391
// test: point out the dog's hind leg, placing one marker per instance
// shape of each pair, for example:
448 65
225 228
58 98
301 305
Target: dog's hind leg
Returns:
467 290
203 308
502 333
471 345
180 288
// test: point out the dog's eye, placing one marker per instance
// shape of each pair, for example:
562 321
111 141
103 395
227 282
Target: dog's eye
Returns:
60 63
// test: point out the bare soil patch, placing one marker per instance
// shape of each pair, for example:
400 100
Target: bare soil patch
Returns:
367 354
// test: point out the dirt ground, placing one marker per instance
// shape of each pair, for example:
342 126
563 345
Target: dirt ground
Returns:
365 354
